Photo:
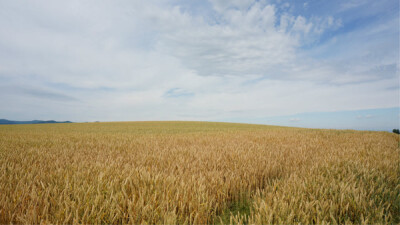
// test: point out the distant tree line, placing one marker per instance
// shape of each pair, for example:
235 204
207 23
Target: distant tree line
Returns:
396 131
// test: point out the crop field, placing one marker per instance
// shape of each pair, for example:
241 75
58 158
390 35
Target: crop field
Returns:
196 173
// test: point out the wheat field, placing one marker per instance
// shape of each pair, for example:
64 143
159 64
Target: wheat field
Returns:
196 173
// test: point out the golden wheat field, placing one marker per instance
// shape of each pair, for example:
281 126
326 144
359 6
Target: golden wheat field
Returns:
196 173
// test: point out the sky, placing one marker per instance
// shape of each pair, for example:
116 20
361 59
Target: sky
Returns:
322 64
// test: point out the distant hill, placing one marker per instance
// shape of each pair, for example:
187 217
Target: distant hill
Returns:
4 121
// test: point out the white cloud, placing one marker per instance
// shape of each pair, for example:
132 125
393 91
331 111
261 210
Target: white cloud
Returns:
136 60
223 5
367 116
243 43
352 4
301 25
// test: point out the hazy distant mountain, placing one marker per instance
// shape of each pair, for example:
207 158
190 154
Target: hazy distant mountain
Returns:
4 121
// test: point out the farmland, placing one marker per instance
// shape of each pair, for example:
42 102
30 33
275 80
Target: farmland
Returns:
196 173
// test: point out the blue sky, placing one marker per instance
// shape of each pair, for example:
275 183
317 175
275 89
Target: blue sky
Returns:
327 64
368 119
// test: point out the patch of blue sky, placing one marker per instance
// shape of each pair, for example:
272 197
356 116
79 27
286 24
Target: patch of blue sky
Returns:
177 93
352 18
383 119
67 87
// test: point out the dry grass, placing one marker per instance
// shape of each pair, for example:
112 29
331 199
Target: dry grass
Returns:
193 172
